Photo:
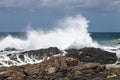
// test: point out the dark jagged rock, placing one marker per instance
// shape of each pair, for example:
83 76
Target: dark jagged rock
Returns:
10 49
35 54
43 52
84 55
92 55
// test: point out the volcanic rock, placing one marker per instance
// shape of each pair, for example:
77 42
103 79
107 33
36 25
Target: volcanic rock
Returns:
41 53
92 55
10 49
35 54
84 55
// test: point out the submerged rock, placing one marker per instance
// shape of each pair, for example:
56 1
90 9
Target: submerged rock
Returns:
92 55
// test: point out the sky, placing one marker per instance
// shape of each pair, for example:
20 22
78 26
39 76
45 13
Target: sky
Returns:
17 15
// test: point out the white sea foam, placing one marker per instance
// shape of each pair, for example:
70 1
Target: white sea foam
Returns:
70 32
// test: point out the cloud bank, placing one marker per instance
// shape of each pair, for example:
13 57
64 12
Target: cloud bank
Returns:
108 5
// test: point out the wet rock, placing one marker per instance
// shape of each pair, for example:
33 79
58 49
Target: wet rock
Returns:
13 57
10 49
7 62
21 56
34 54
95 55
92 55
42 53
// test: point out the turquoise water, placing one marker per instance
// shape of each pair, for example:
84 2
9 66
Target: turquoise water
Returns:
106 38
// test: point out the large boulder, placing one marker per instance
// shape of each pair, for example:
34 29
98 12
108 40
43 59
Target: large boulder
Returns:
41 53
92 55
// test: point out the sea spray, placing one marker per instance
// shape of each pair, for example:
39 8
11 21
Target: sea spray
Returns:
70 32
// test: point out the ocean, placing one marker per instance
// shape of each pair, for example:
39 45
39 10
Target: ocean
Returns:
103 38
106 38
70 33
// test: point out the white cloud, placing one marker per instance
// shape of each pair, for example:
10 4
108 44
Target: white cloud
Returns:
62 4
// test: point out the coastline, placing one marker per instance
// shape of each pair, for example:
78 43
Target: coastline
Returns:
82 64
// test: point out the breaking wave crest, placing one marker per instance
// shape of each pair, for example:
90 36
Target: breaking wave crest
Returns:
70 32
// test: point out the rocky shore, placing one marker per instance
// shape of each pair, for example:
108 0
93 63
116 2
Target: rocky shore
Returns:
82 64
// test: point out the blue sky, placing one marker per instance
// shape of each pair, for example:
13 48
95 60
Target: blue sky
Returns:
16 15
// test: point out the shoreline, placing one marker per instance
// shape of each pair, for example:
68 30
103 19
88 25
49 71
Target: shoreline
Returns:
82 64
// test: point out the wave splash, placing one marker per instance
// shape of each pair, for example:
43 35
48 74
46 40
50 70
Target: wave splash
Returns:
70 32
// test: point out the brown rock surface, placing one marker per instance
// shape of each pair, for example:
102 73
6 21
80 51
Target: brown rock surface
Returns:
59 68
